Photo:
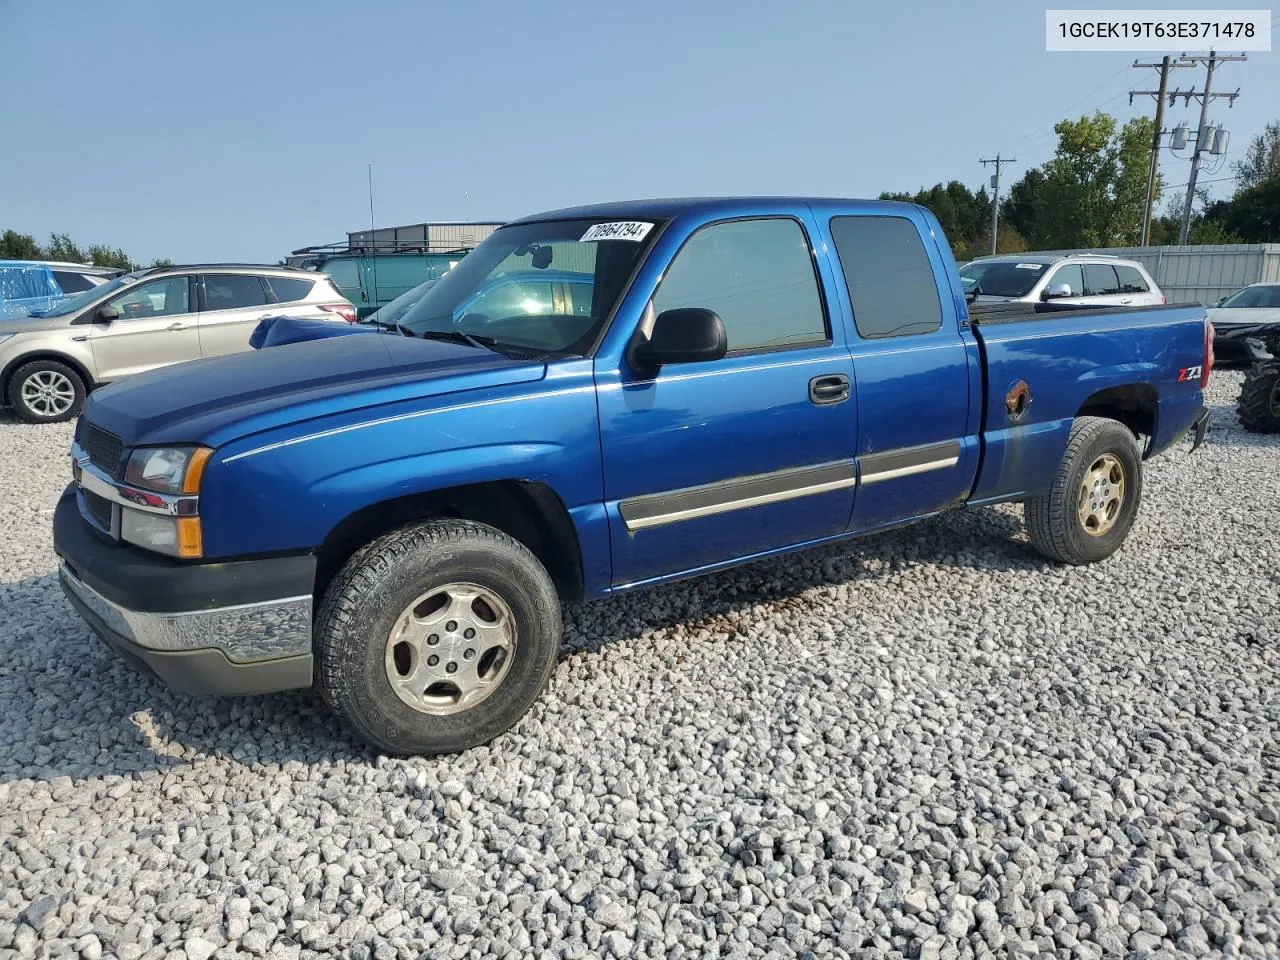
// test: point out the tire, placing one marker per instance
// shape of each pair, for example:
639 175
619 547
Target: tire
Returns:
1259 404
1054 521
46 391
373 594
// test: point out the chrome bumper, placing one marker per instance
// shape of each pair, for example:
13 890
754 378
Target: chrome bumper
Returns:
255 632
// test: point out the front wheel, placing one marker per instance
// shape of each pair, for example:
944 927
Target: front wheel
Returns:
437 637
46 391
1259 404
1094 499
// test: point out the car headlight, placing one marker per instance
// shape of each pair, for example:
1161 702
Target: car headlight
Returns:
173 471
170 470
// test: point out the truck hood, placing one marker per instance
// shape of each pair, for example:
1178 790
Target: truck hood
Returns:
221 399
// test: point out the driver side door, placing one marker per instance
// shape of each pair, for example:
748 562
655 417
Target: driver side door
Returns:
156 327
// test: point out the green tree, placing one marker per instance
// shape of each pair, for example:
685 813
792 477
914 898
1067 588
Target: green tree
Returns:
19 246
62 247
1261 159
1251 216
1092 193
103 256
162 262
962 213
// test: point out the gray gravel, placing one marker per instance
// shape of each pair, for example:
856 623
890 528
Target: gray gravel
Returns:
925 744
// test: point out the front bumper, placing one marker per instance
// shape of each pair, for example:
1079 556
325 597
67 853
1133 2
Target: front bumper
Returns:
202 628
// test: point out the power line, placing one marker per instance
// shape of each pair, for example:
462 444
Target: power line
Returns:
1077 103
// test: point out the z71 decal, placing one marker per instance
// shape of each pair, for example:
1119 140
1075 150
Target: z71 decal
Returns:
1189 373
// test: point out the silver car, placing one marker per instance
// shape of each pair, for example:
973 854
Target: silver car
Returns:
140 321
1093 280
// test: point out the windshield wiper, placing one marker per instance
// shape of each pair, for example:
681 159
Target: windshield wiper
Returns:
397 327
455 336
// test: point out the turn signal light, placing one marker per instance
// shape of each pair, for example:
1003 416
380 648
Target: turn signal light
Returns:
190 540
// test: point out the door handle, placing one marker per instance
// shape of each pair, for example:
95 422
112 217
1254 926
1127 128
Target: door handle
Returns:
831 388
176 326
1126 302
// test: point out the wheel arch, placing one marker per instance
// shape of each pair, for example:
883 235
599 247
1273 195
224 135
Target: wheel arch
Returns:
530 512
12 367
1136 405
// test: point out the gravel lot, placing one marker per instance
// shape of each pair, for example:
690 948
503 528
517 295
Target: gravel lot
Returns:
927 744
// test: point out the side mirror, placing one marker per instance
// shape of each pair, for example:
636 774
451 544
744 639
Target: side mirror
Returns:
106 314
685 335
1056 291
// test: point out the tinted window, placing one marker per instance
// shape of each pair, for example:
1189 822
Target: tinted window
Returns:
1101 279
757 275
157 298
72 282
1130 280
228 291
345 273
890 280
1072 276
289 289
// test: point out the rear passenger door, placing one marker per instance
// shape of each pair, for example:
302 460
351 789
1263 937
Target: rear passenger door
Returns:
1103 285
918 380
231 304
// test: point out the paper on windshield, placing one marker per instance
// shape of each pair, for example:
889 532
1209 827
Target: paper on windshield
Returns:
634 230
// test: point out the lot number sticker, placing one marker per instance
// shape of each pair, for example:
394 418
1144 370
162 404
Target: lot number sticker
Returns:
634 230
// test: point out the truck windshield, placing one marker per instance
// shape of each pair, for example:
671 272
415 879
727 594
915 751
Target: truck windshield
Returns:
536 288
997 278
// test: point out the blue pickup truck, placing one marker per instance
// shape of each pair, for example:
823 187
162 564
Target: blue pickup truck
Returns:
397 517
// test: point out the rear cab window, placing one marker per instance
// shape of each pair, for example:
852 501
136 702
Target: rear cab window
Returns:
891 282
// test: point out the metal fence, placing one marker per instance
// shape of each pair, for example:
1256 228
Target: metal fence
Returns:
1200 274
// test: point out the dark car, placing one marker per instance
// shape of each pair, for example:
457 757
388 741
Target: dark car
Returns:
1247 325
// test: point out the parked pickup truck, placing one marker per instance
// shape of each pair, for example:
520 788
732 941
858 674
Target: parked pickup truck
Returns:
397 517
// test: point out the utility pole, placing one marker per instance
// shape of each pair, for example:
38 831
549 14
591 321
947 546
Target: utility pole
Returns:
995 195
1202 133
1153 170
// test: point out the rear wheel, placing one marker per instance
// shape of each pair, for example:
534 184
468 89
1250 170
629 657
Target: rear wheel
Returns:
437 637
1259 404
1094 499
46 391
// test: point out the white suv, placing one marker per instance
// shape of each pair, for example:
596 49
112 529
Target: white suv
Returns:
1093 280
152 318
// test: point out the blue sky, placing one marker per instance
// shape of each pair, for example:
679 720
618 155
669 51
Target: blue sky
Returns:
237 130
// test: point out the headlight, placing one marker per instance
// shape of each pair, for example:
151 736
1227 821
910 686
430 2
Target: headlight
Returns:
171 470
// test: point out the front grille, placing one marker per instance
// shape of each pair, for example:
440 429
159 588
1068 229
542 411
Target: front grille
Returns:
99 509
102 447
